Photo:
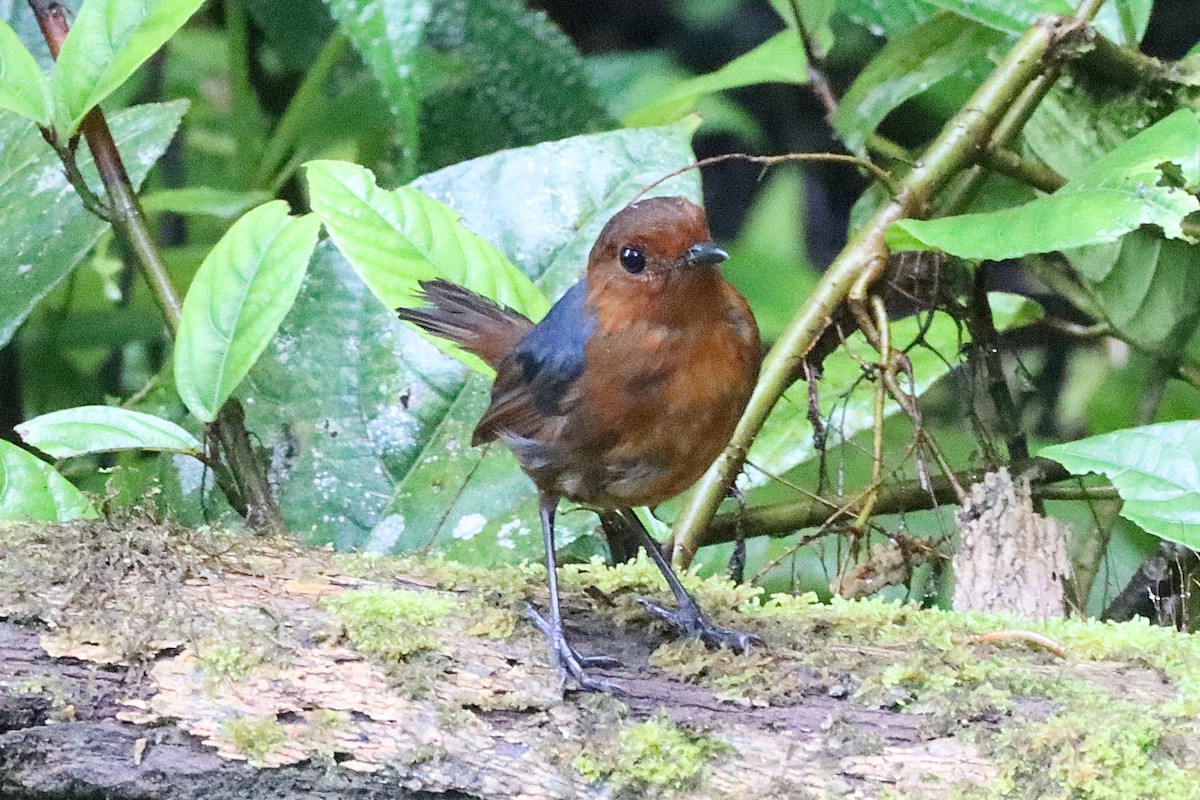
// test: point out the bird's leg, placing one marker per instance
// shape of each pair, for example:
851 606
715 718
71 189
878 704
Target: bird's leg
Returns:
566 661
688 619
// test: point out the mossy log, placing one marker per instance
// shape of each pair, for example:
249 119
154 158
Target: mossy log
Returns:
140 661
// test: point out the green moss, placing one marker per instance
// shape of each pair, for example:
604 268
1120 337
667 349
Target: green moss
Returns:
1100 750
750 679
226 661
390 624
255 737
641 576
501 584
655 755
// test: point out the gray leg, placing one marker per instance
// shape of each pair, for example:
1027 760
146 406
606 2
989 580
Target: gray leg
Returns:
688 619
566 661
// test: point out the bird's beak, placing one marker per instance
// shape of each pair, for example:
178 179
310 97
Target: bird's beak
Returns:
704 253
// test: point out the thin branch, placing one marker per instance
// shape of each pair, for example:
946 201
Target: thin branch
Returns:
813 55
783 519
882 175
986 348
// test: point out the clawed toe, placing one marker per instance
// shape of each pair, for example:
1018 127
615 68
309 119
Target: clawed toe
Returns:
690 621
567 662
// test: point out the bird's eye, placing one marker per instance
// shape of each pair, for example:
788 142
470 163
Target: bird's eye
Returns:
633 260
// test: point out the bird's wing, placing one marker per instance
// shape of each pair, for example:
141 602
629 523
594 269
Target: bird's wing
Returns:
534 384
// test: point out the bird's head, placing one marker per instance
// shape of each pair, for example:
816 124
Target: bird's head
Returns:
654 241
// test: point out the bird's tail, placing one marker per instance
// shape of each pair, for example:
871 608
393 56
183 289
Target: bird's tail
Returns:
472 321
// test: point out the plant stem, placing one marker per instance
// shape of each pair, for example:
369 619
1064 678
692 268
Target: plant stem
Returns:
253 500
783 519
850 276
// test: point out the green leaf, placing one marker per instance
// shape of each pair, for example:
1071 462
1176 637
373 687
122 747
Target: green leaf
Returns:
37 200
1155 469
240 294
99 429
780 59
909 64
1122 191
203 201
23 87
887 17
395 239
624 80
369 426
31 489
387 35
1123 21
1145 286
524 83
1005 15
108 41
848 401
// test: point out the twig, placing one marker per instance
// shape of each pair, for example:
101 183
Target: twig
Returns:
1029 637
882 175
783 519
816 75
986 350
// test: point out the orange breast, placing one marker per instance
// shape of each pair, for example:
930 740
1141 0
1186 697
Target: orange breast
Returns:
661 396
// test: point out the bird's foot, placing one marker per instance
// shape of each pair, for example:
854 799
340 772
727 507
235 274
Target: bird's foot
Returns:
689 620
567 662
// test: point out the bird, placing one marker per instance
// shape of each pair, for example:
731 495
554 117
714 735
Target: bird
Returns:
622 395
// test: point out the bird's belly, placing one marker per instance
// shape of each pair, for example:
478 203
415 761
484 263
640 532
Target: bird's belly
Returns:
666 438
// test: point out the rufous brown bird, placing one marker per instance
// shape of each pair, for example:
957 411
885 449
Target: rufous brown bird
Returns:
626 391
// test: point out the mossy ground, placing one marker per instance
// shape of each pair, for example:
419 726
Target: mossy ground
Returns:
1052 727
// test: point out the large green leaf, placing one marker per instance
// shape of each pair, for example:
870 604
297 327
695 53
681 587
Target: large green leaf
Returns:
23 87
240 294
395 239
98 429
909 64
1123 21
387 35
1156 470
108 41
1122 191
887 17
1145 286
524 82
46 230
369 426
847 399
780 59
1148 287
31 489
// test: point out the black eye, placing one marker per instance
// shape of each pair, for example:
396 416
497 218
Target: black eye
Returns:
633 260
